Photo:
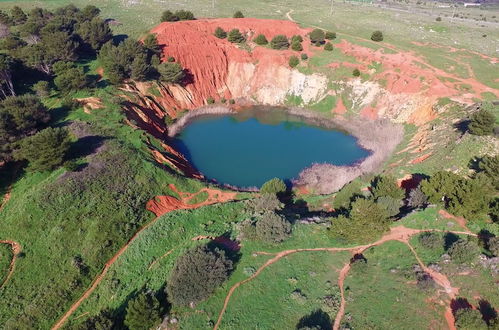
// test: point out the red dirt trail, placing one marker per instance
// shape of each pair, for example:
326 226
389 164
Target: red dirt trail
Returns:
159 206
399 233
16 249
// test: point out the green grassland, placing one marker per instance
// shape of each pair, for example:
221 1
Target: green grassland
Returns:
5 258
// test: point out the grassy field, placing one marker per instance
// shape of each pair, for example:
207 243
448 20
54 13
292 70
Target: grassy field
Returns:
5 258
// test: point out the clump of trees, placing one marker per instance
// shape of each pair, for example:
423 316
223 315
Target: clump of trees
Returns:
280 41
482 123
235 36
377 36
261 40
196 274
179 15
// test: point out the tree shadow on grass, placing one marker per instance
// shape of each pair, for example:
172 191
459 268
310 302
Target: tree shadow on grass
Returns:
318 319
449 239
489 313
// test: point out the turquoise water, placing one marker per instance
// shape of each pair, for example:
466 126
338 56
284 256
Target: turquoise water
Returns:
249 149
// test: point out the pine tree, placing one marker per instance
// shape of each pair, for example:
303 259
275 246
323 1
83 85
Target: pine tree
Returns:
260 40
280 41
220 33
95 33
171 72
482 123
235 36
317 36
140 68
238 14
143 312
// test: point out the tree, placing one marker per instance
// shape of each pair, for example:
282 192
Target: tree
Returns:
235 36
220 33
102 321
95 33
272 228
45 150
482 123
42 88
330 35
293 61
329 46
304 56
185 15
266 203
143 312
390 204
238 14
18 15
386 186
431 240
280 41
469 319
5 19
197 274
172 73
140 68
463 251
377 36
493 244
6 84
296 38
150 43
168 16
69 77
356 72
296 46
89 12
366 222
417 199
260 40
317 36
274 186
489 166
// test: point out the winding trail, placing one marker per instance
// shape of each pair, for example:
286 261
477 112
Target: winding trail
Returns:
159 206
398 233
16 249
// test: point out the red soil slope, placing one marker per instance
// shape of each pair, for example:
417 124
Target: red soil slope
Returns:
207 58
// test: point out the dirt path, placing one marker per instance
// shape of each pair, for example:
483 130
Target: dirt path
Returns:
399 233
288 15
16 249
164 205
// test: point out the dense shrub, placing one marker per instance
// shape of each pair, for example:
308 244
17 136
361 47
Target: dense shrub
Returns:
273 186
493 244
42 88
386 185
417 199
238 14
45 150
469 319
220 33
424 281
347 195
390 204
482 123
210 100
463 251
185 15
235 36
197 274
317 36
280 41
431 240
69 77
438 19
143 312
171 72
304 56
330 35
489 166
328 46
261 40
296 38
102 321
296 46
356 72
293 61
169 16
272 228
266 203
377 36
366 222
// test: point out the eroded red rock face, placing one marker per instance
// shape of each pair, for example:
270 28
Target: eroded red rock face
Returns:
209 59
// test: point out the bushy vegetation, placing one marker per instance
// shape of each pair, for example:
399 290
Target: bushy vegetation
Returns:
143 312
317 37
463 251
482 123
171 72
179 15
356 73
488 166
296 46
377 36
235 36
330 35
293 61
197 274
261 40
238 14
272 228
220 33
273 186
328 47
280 41
69 77
431 240
468 319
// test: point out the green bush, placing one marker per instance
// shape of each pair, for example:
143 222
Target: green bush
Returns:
238 14
220 33
235 36
261 40
171 72
356 72
469 319
210 100
463 251
317 36
42 88
273 186
143 312
330 35
232 101
296 38
431 240
280 41
329 46
171 59
304 56
168 16
390 204
296 46
69 77
438 19
272 228
45 150
482 123
197 274
293 61
185 15
493 244
489 166
417 199
265 203
377 36
386 186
